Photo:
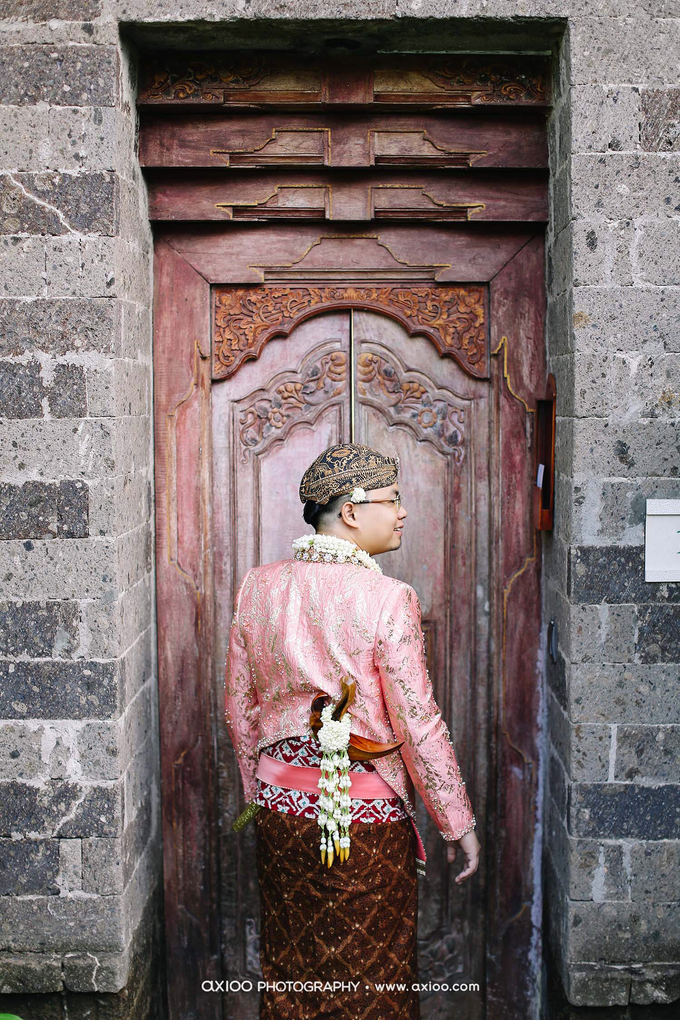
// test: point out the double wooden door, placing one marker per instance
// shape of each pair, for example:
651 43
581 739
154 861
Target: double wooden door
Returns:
274 338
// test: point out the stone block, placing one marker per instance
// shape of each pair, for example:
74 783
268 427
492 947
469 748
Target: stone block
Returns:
626 385
624 693
626 449
560 262
60 75
621 932
624 810
51 202
640 49
80 266
105 972
557 781
58 808
647 753
621 319
70 865
23 130
83 138
615 575
21 751
597 985
118 388
59 327
120 504
602 252
620 508
103 866
135 555
655 254
22 266
112 627
660 120
52 450
34 973
49 689
63 10
655 871
44 510
658 638
623 186
63 924
29 867
81 568
603 633
589 751
605 118
655 983
21 390
558 325
136 330
66 393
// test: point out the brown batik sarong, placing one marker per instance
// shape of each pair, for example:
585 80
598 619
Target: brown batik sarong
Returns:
353 922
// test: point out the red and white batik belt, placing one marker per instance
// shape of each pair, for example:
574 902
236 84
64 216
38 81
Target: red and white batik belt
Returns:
365 786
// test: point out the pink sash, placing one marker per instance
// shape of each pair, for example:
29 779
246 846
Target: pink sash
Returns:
365 786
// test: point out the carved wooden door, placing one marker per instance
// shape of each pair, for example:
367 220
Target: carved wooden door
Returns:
275 336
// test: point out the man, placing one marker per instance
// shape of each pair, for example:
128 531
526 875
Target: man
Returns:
337 846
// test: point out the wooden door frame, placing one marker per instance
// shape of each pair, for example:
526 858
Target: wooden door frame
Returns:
184 367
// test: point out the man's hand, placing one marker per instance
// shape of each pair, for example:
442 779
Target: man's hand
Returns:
470 846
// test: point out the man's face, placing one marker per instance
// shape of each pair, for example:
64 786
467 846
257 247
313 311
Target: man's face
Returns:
378 526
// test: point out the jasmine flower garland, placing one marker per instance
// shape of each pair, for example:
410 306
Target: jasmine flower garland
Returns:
331 548
335 803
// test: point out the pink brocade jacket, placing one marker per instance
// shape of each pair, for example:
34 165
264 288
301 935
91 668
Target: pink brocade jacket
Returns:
299 627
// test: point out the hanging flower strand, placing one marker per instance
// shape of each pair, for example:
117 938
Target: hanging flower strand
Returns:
334 799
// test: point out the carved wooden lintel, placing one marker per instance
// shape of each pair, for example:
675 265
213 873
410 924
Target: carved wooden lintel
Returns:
453 317
244 78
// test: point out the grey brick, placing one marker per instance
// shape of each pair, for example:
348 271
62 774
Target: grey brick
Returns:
62 75
626 319
622 449
32 974
85 137
619 186
655 871
21 390
56 203
22 137
21 751
660 120
606 50
59 326
602 252
605 117
63 924
29 867
658 638
81 568
647 753
46 10
44 510
67 393
656 252
624 810
60 808
614 574
39 629
624 693
49 689
621 932
22 266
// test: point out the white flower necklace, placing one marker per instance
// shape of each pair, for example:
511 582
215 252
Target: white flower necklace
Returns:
335 803
332 548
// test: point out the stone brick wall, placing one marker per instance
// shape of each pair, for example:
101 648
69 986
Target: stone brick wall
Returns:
79 793
79 796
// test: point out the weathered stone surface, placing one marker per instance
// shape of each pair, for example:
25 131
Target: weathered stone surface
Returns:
103 866
619 186
62 75
660 120
88 137
22 137
54 569
21 390
46 10
21 752
658 638
119 388
44 510
624 693
605 117
626 319
626 450
655 871
29 867
613 512
647 754
618 932
656 253
34 973
614 574
602 633
622 810
58 326
55 690
606 50
57 203
39 629
60 809
602 252
62 923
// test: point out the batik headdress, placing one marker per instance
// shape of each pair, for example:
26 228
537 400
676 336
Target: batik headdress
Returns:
344 467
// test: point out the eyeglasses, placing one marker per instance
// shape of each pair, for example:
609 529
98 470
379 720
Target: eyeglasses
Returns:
396 500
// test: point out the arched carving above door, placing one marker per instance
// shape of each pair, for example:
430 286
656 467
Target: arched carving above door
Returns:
454 318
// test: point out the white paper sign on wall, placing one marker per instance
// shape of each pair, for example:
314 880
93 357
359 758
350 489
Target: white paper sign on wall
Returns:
662 540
